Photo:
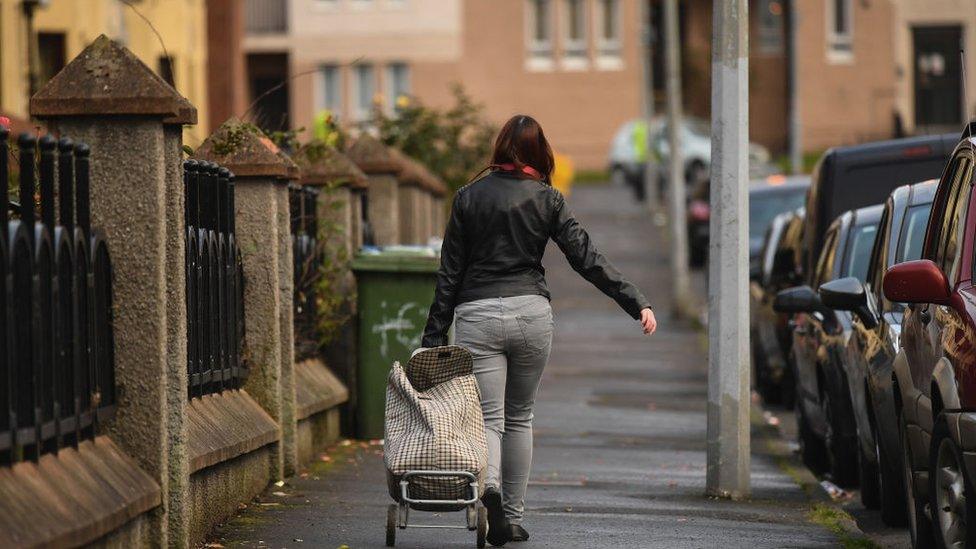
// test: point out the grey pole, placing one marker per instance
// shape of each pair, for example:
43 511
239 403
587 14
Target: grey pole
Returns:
796 154
676 170
728 274
650 173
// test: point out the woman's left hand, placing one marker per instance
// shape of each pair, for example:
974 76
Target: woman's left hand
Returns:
648 322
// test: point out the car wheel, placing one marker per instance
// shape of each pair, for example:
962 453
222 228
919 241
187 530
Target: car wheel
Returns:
811 447
764 386
950 490
698 255
870 476
841 450
696 173
787 386
919 525
891 488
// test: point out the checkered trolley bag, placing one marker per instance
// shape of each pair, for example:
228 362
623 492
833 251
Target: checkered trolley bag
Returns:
434 423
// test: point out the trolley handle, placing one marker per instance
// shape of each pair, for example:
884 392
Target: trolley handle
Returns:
405 484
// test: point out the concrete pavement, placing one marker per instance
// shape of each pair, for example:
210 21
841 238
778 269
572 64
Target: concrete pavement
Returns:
620 436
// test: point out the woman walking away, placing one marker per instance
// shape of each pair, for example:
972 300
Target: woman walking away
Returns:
492 283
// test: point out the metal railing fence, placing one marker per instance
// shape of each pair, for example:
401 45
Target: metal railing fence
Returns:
307 258
214 281
57 362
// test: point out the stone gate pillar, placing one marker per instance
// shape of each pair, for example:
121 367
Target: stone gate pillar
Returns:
383 198
132 120
264 239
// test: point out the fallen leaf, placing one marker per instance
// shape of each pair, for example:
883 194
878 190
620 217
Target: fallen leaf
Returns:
279 494
280 483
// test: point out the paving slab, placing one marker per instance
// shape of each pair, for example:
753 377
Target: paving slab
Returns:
619 436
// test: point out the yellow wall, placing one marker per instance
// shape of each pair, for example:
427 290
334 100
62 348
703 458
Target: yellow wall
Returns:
180 23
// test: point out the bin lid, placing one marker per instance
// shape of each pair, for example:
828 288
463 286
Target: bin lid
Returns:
400 260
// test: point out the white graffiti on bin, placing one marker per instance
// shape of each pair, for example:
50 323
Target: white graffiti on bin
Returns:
403 330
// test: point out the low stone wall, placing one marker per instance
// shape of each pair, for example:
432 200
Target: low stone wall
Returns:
107 502
318 396
231 442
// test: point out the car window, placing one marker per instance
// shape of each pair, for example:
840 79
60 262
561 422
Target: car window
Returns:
956 221
943 208
763 207
859 251
825 265
913 233
879 253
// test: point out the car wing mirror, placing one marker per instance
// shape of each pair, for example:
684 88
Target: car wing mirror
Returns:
919 281
848 294
798 299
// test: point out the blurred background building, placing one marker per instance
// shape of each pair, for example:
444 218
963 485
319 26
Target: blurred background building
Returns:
865 69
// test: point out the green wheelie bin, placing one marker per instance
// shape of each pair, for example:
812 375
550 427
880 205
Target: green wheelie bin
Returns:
395 292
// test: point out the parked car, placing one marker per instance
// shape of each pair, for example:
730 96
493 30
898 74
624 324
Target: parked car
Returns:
846 178
768 197
873 345
827 432
935 368
625 162
771 333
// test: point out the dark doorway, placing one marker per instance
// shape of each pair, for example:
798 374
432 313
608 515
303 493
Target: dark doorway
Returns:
938 82
267 75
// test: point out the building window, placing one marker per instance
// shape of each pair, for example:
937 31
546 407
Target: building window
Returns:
609 18
397 84
365 81
575 45
166 70
840 29
51 52
331 95
540 28
771 27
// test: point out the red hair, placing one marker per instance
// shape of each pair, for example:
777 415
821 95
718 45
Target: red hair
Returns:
521 143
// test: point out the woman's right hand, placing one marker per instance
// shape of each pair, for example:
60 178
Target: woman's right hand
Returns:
647 320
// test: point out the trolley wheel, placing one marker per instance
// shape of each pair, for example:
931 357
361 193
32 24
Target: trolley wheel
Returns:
471 514
482 526
391 524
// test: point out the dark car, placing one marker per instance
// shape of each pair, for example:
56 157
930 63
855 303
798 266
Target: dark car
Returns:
827 432
935 369
846 178
771 334
873 345
768 197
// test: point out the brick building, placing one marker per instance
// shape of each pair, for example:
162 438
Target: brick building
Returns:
864 70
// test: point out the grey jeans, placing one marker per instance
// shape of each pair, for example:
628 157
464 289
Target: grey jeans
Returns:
510 339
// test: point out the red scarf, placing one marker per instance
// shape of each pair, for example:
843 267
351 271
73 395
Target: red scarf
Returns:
527 170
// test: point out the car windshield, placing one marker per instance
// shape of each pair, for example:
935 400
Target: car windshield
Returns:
862 240
913 234
764 206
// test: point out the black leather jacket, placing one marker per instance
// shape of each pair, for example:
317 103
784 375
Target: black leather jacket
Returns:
497 233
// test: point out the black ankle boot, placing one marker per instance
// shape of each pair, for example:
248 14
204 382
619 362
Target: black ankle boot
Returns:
497 525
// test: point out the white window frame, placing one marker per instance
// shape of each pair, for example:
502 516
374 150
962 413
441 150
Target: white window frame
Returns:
360 112
539 53
390 93
840 46
322 90
608 51
575 51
